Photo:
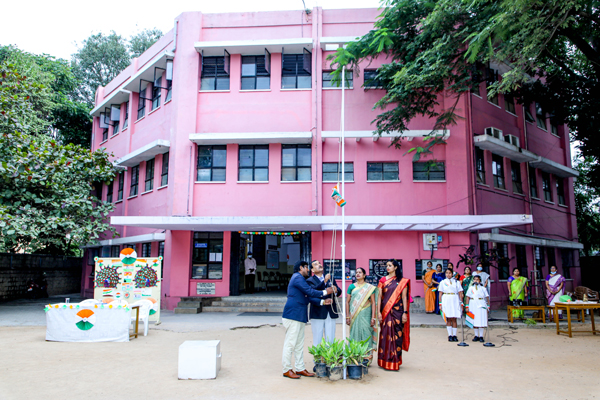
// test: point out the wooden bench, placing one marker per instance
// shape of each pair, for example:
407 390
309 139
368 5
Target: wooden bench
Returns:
541 309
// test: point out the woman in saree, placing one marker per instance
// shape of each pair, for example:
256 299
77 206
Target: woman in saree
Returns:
517 290
393 305
362 316
555 283
466 281
438 276
428 286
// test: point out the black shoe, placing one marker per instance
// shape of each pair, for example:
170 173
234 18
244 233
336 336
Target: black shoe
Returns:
315 368
476 339
481 340
450 339
454 338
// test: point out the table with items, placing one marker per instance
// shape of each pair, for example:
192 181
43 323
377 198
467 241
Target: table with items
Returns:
575 306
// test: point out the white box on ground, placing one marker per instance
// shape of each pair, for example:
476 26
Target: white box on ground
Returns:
199 359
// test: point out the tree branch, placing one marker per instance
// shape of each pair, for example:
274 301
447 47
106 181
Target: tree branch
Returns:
583 46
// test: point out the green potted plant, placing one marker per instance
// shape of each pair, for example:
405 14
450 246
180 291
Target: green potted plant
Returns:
318 352
334 358
354 354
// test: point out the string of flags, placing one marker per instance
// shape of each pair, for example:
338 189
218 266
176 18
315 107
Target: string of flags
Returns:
273 233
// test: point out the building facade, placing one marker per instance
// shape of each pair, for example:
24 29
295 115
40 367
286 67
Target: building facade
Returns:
227 133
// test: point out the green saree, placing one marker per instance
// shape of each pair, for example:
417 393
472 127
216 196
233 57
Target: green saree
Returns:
517 288
361 313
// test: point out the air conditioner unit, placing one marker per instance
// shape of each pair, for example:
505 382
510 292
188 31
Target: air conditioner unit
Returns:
512 139
494 132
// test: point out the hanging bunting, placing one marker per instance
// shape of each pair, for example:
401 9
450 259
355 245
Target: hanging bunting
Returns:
337 197
273 233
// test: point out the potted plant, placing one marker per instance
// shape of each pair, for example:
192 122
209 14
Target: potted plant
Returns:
318 352
334 356
354 354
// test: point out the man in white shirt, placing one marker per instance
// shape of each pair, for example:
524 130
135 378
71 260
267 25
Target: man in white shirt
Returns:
250 267
323 317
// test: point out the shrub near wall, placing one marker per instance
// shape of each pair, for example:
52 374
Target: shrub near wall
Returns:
62 273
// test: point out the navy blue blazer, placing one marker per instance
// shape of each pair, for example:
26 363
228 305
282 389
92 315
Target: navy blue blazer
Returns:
299 294
317 311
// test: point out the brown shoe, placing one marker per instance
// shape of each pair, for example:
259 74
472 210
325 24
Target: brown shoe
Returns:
291 374
305 373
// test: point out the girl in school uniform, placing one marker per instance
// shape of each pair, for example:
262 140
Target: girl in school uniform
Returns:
478 305
451 303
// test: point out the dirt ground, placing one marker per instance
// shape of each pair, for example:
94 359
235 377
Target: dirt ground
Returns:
525 364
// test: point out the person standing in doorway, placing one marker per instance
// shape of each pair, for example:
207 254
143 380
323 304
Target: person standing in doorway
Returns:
250 267
295 317
322 318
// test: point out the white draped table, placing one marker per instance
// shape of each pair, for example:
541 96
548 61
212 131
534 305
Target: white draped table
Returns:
87 323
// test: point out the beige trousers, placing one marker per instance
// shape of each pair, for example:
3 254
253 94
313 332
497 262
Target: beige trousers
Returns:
294 343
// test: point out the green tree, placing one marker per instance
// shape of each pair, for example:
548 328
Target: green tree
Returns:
587 206
143 40
45 186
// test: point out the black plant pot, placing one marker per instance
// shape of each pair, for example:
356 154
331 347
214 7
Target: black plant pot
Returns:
335 373
321 370
355 371
365 365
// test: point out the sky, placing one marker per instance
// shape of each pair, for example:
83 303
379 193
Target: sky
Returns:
58 27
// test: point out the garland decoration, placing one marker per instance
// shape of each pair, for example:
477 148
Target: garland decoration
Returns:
273 233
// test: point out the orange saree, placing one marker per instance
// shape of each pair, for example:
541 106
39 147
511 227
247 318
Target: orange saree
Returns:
394 336
429 293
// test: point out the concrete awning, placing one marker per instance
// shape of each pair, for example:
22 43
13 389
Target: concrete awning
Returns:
144 153
147 71
118 96
327 223
254 47
554 168
332 43
251 137
531 241
504 149
150 237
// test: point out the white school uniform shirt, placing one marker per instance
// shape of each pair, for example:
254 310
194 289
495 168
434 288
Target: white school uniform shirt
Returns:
478 305
451 302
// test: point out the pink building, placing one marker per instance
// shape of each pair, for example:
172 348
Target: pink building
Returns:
230 124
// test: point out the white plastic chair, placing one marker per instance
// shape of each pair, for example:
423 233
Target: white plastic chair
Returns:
145 306
89 302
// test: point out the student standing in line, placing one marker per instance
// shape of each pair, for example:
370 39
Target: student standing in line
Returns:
451 297
478 304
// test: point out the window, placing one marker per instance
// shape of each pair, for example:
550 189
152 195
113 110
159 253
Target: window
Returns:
567 262
503 261
164 175
371 81
546 186
114 251
551 252
156 92
498 171
533 183
521 258
480 165
560 191
105 251
528 115
142 104
492 77
133 188
115 127
169 90
540 116
515 169
211 163
328 83
255 75
93 253
214 74
509 103
336 267
382 171
331 172
161 248
126 121
121 185
553 128
540 261
254 163
484 257
149 182
109 192
105 134
296 162
296 71
129 246
429 171
146 249
207 257
476 78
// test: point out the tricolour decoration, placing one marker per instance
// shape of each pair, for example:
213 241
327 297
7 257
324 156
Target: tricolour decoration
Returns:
85 319
470 319
273 233
128 256
145 277
106 277
337 197
154 307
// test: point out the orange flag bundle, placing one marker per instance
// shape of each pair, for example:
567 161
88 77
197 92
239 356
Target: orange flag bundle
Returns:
337 197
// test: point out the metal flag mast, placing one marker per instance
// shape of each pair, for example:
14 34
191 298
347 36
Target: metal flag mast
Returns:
342 170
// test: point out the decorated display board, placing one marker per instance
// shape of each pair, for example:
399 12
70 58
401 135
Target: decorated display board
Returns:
129 278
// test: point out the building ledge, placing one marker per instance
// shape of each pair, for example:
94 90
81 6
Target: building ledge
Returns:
253 47
532 241
150 237
409 135
118 96
554 168
144 153
504 149
251 137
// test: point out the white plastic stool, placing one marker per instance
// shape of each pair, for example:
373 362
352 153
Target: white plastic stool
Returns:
199 359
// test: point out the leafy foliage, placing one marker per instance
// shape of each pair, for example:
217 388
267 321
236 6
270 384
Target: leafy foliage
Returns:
142 41
587 207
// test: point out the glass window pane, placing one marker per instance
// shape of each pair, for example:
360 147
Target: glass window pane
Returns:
330 167
248 83
304 82
219 158
248 69
261 174
262 157
288 157
390 176
245 174
218 175
288 174
330 176
204 161
203 175
304 157
390 167
349 176
348 167
223 83
207 84
304 174
288 82
246 157
263 82
374 167
374 176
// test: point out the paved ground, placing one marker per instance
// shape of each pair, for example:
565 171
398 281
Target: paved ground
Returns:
525 364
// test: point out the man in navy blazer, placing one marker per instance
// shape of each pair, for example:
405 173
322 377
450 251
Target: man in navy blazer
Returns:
295 317
322 318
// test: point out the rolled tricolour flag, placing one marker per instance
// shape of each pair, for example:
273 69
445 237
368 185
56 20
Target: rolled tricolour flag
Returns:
337 197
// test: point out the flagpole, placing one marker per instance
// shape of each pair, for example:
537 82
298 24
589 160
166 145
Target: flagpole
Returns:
343 170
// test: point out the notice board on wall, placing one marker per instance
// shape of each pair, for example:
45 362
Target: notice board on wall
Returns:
129 278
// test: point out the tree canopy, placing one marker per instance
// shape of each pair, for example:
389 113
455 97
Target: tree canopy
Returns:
587 206
551 49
